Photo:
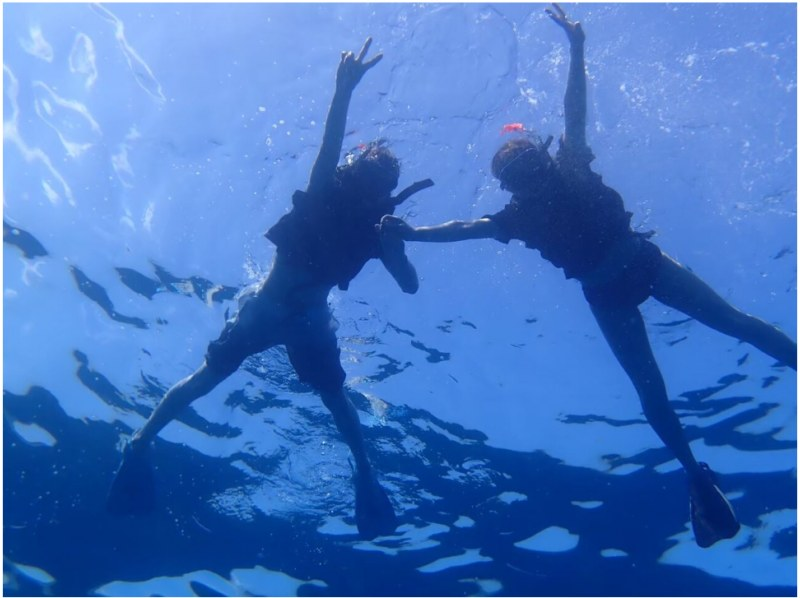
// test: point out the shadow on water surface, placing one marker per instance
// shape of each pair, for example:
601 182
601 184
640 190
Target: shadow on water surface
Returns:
466 507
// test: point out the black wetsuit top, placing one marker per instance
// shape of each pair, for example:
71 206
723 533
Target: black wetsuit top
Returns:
574 223
332 235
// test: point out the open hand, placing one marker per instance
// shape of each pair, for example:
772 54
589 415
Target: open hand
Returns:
352 68
573 28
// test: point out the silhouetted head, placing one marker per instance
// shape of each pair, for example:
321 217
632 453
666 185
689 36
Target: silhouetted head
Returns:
370 173
523 164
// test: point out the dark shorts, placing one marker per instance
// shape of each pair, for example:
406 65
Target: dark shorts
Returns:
309 336
635 282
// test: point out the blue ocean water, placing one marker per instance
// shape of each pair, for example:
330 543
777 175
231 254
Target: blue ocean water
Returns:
148 146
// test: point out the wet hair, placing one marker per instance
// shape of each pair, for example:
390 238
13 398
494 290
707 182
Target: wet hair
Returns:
373 169
523 161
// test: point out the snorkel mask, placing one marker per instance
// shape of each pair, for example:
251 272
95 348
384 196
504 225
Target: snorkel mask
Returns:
521 161
375 167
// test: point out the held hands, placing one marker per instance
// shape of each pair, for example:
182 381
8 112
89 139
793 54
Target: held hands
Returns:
572 28
352 68
393 229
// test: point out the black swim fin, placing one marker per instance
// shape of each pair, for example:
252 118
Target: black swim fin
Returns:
374 513
133 488
711 514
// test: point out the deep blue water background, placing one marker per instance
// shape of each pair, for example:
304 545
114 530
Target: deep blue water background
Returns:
147 148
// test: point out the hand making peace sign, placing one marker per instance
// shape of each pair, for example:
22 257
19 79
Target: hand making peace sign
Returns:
352 68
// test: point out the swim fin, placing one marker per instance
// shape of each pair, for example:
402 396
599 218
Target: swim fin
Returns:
711 514
374 513
133 488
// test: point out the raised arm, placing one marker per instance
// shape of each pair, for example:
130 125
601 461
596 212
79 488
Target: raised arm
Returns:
351 69
575 96
455 230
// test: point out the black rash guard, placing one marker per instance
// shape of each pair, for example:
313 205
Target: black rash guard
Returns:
574 223
333 236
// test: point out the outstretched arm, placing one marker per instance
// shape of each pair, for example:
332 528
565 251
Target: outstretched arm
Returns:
455 230
351 69
575 96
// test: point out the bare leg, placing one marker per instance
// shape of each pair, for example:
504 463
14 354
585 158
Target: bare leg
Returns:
177 398
132 490
258 312
374 512
625 332
679 288
712 516
346 418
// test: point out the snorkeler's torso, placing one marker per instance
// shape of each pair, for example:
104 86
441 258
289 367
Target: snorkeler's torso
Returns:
331 236
573 223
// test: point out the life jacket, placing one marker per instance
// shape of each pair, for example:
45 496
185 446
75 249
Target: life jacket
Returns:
333 235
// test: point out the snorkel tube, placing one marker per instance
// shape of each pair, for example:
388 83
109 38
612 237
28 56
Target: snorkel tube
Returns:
411 190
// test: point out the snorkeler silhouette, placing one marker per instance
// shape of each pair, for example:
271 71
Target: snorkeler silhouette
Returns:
563 209
324 241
